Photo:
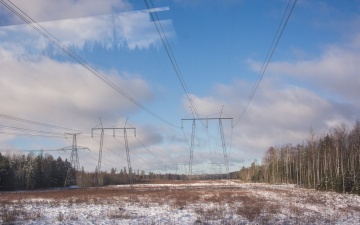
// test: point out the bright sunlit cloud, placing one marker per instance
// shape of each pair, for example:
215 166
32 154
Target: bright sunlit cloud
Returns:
311 82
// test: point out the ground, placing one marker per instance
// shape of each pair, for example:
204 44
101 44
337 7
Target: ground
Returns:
180 202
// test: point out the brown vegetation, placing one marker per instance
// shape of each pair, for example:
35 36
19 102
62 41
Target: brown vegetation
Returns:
254 203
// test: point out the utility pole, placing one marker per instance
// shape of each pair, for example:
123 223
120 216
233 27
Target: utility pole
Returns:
126 147
220 119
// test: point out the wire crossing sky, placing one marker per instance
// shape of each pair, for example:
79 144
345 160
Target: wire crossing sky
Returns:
22 15
67 63
170 53
269 55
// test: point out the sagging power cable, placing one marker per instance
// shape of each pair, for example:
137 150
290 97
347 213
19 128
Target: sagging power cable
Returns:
268 57
169 52
52 39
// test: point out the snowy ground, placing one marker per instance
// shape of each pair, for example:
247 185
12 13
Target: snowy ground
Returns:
201 202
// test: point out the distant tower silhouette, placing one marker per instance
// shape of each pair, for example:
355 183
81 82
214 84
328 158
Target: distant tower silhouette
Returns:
71 175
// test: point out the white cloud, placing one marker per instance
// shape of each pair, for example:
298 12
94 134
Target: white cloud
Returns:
201 3
282 113
209 105
265 125
66 95
140 31
336 71
47 90
130 29
46 10
320 92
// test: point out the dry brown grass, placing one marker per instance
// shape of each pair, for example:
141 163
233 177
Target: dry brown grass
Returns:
209 203
314 198
250 208
245 205
208 214
9 214
107 195
172 182
119 213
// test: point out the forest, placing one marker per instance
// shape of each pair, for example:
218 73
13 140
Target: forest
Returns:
19 172
25 172
324 162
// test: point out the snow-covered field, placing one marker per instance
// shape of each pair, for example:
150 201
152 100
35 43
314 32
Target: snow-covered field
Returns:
201 202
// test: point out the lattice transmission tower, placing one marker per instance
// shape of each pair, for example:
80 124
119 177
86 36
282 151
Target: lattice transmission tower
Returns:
126 143
221 130
72 174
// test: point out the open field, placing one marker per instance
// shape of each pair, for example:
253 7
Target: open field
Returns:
201 202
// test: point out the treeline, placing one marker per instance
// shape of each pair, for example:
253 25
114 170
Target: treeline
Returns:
114 177
25 172
90 179
19 172
328 162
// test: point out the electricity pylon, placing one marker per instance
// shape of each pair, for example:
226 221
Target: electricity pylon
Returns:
192 148
222 141
98 168
72 172
126 148
224 150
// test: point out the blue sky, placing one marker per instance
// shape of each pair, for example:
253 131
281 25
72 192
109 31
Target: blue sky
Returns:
312 80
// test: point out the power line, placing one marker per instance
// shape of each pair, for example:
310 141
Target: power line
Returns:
92 155
93 158
122 143
116 154
26 18
31 130
268 58
221 130
147 149
31 135
28 150
18 119
112 151
140 157
169 52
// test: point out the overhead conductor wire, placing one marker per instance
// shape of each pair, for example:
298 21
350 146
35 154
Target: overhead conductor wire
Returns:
26 18
34 122
172 58
169 52
268 57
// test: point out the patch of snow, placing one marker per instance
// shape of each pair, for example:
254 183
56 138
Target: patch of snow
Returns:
273 204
